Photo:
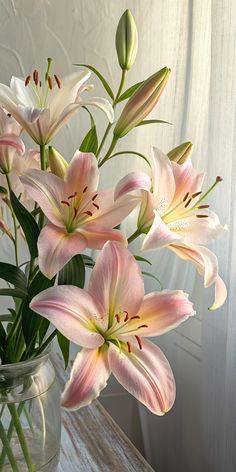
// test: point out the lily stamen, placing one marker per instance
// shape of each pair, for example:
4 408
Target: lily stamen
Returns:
129 346
94 197
27 80
65 202
139 342
96 206
117 317
72 196
186 196
85 189
188 202
57 81
50 83
202 216
203 206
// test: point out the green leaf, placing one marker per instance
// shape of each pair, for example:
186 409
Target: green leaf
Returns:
142 259
28 224
6 317
88 261
90 114
3 190
73 273
13 292
129 92
150 122
13 275
64 344
131 152
101 78
153 277
90 142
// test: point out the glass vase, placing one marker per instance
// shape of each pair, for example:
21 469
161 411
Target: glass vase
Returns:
30 420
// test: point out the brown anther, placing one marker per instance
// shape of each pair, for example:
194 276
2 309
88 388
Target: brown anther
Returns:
202 216
186 196
139 342
36 77
50 83
196 194
9 114
94 197
85 189
57 81
117 317
96 206
126 316
188 202
27 80
40 83
89 213
136 317
129 346
75 212
72 196
143 326
203 206
65 202
218 179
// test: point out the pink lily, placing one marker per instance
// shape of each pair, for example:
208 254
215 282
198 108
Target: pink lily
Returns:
172 215
10 143
80 215
111 321
43 106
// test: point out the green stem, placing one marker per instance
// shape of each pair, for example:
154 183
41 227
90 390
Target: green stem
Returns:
21 436
134 236
43 167
9 436
14 223
122 81
7 449
106 157
46 343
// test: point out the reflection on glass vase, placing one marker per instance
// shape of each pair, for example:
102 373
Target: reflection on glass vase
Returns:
30 420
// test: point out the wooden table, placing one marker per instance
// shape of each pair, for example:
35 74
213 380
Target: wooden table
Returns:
93 442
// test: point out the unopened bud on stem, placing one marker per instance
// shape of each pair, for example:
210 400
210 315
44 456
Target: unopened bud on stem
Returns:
181 153
57 163
126 40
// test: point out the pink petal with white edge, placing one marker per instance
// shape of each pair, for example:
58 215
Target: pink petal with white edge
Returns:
207 265
48 191
187 179
97 236
116 280
101 103
113 213
159 235
72 311
82 173
162 312
196 230
146 374
56 247
163 178
132 181
89 376
13 141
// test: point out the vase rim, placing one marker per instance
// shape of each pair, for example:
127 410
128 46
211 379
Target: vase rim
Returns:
28 362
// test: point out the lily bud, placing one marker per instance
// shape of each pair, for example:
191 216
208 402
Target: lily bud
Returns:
57 163
142 102
126 40
181 153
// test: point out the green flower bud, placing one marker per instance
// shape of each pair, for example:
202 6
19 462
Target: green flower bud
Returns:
181 153
126 40
57 163
142 102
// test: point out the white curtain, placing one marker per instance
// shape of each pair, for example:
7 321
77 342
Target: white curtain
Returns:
196 38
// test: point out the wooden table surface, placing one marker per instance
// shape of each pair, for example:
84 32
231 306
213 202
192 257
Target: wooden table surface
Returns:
93 442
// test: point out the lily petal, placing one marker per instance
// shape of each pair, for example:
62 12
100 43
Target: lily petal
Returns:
82 173
89 376
163 179
146 374
97 236
159 235
56 247
13 141
71 310
207 265
101 103
163 311
112 213
132 181
146 212
116 280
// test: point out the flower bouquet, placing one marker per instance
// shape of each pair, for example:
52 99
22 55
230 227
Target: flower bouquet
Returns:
56 209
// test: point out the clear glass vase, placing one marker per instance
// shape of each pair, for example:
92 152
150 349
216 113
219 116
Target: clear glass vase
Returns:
30 420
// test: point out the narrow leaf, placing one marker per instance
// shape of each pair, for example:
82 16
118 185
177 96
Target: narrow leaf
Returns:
28 224
153 277
88 261
142 259
13 292
90 142
90 114
3 190
13 275
64 344
150 122
73 273
101 78
130 152
130 91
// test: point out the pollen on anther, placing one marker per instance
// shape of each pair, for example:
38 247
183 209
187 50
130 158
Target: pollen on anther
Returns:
72 196
136 317
203 206
27 80
126 316
94 197
129 346
57 81
139 342
96 206
89 213
65 202
85 189
202 216
36 77
50 84
188 202
186 196
117 317
196 194
75 212
143 326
